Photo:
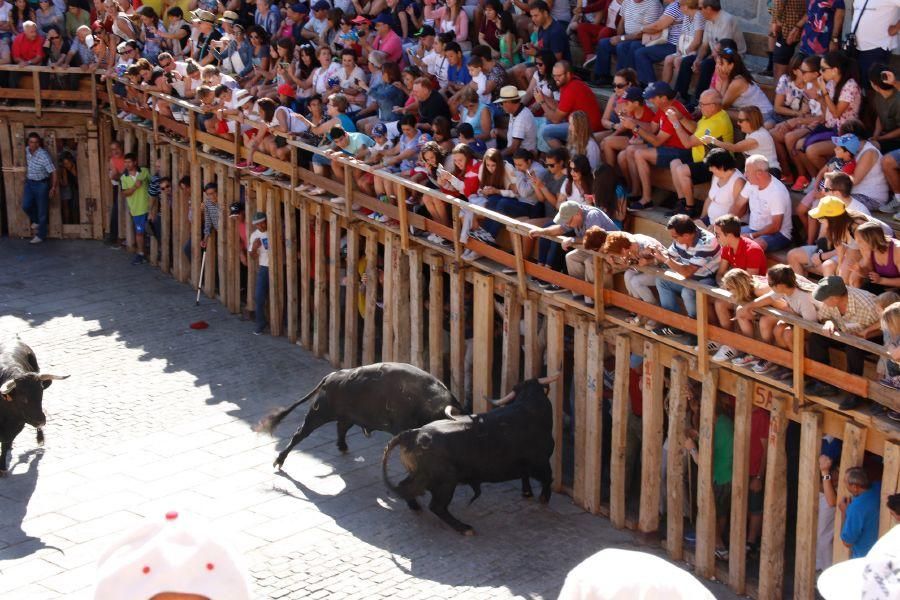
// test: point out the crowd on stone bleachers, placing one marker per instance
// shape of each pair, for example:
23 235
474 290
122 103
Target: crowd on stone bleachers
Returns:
490 102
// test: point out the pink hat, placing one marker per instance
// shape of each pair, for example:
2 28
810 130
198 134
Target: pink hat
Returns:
174 554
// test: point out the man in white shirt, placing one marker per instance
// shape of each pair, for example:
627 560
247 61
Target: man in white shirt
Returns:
876 28
769 203
259 249
522 129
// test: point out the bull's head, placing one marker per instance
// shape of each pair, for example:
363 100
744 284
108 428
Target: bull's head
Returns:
24 394
545 381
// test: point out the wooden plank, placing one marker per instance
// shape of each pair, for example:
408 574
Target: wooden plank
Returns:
599 283
166 208
435 315
212 247
13 178
512 339
483 342
126 224
771 562
254 192
852 453
224 197
276 260
890 484
705 557
320 308
96 177
457 331
593 417
675 475
652 439
196 218
416 308
404 218
534 354
369 323
401 350
36 89
579 408
807 506
556 322
334 291
351 299
702 332
621 406
798 356
521 276
737 559
388 300
305 278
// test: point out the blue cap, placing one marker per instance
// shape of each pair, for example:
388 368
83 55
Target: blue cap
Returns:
478 147
848 142
383 17
321 5
379 129
634 94
659 88
297 7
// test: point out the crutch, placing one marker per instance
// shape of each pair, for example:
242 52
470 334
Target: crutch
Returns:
200 280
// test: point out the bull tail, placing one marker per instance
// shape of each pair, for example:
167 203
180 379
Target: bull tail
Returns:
268 423
399 439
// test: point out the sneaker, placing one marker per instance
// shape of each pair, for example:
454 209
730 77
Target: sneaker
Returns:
436 239
763 367
747 360
380 217
588 301
258 170
800 184
243 164
267 173
552 288
337 200
666 332
482 235
258 331
712 347
849 402
138 259
725 353
36 240
316 191
817 388
470 255
122 114
782 374
722 553
890 207
638 205
34 228
893 415
680 208
589 60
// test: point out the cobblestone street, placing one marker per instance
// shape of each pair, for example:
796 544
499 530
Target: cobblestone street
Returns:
158 417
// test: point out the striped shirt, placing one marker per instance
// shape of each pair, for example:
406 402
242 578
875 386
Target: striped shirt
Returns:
705 254
861 312
39 166
210 217
635 15
689 27
674 11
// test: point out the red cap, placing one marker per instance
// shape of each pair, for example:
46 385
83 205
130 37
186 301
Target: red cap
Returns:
286 89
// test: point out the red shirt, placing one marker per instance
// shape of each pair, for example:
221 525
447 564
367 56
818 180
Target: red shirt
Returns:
749 255
666 125
25 49
759 430
576 95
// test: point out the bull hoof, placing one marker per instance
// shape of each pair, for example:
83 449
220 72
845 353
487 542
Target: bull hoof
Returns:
528 494
414 505
468 532
40 437
343 449
277 464
545 500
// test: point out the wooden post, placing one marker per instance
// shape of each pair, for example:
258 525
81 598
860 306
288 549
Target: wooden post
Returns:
351 299
404 218
369 324
348 191
154 244
807 505
334 290
852 452
737 559
290 252
196 201
652 438
797 356
512 339
619 435
401 351
521 276
702 335
705 555
212 249
388 299
416 308
771 562
97 176
675 478
320 308
166 207
436 315
457 230
305 277
36 86
534 355
579 408
599 283
457 331
890 484
254 203
221 230
276 261
483 342
556 324
593 417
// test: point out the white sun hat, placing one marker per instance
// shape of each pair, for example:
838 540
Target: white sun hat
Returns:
875 576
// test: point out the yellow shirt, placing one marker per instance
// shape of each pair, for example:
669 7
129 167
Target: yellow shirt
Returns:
719 126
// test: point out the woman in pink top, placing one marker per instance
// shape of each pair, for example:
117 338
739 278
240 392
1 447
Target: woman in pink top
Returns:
450 17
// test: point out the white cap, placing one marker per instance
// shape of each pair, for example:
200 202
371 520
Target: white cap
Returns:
875 576
171 554
615 574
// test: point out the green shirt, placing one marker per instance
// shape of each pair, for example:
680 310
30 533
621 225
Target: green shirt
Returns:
723 450
139 201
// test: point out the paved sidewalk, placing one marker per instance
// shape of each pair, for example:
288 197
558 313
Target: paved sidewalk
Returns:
157 417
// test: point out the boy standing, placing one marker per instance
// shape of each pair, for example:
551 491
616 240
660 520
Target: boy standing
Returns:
259 249
135 184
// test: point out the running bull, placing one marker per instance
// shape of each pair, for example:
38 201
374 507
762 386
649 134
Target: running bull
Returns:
389 397
22 388
511 442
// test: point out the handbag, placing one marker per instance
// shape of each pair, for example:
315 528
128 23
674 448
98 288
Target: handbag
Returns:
850 47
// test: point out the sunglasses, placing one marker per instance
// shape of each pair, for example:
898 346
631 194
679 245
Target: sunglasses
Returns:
52 37
620 86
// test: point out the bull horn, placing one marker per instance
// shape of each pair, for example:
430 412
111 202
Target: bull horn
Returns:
7 387
549 379
51 377
504 400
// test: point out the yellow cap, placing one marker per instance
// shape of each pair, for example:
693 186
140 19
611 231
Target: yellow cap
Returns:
829 206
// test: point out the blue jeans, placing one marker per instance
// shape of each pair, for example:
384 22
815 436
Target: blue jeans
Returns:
669 291
549 251
511 207
36 204
646 56
685 74
623 51
557 131
261 296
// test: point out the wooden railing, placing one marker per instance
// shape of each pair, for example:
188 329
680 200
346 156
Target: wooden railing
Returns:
83 96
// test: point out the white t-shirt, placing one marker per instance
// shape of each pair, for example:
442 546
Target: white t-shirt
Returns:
322 75
874 22
765 146
315 25
5 9
438 66
263 251
612 11
480 82
768 203
722 196
522 127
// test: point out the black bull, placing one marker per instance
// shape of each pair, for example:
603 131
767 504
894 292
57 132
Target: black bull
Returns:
511 442
22 388
389 397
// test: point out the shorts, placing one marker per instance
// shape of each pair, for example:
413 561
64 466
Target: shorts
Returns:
700 173
774 241
666 154
820 134
755 501
140 223
783 52
809 251
280 142
222 127
722 495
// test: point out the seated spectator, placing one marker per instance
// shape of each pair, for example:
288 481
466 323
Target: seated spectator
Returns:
792 110
724 189
887 107
636 15
450 17
695 255
542 80
547 189
634 249
27 50
659 41
622 81
861 510
662 144
580 140
594 21
428 104
574 95
386 39
738 88
714 126
494 72
851 311
631 105
347 143
548 34
757 139
609 195
769 206
521 131
869 184
477 114
878 267
689 41
890 330
458 75
381 100
844 161
529 173
497 191
579 184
